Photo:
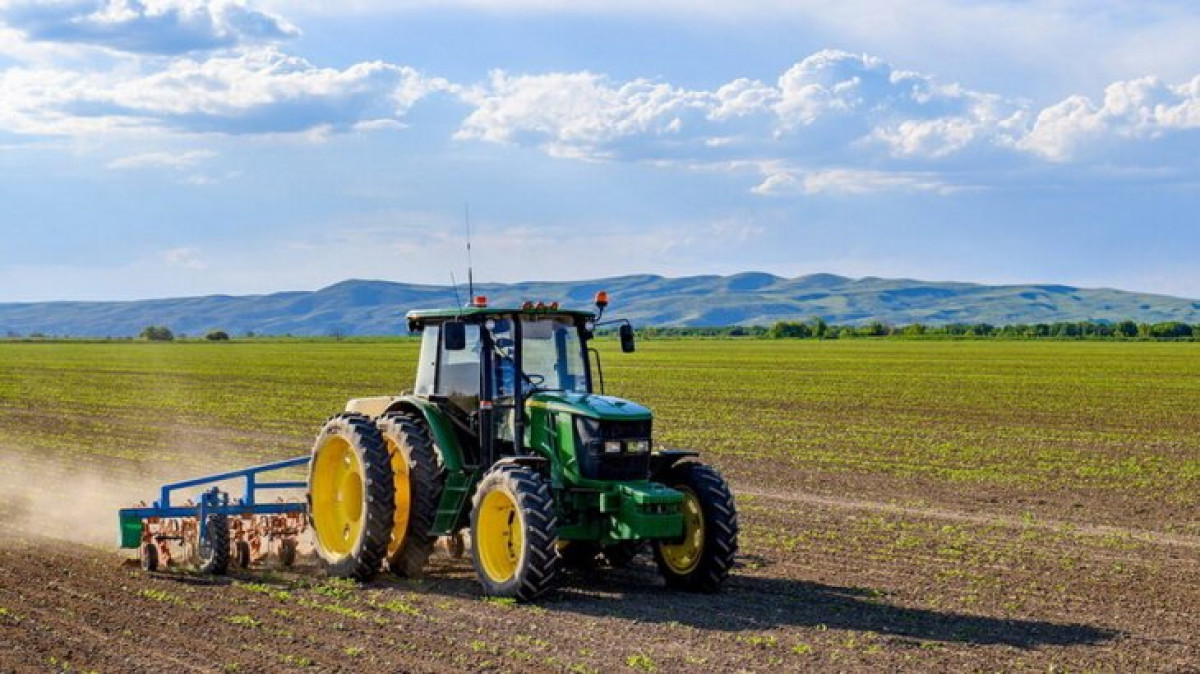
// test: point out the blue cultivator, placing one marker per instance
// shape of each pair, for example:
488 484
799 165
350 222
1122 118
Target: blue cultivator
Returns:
218 529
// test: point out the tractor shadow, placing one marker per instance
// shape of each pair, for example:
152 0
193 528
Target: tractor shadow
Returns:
750 603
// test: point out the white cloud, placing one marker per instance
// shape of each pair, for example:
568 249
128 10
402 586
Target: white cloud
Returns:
881 128
146 26
255 91
184 258
1038 49
829 83
782 181
830 100
202 180
854 122
177 161
575 115
1144 108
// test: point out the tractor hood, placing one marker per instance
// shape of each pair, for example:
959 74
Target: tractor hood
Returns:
590 405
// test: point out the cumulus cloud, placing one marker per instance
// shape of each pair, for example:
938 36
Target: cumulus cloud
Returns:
576 115
885 128
1144 108
146 26
828 100
256 91
833 123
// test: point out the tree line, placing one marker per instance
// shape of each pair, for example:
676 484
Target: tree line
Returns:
819 328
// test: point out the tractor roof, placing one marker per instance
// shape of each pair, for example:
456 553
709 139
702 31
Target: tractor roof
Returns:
420 317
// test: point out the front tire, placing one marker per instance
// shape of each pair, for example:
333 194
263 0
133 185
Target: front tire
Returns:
513 533
417 489
351 497
702 559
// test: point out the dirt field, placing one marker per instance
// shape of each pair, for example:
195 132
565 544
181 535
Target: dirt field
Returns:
843 567
861 586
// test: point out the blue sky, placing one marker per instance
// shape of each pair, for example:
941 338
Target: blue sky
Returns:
183 147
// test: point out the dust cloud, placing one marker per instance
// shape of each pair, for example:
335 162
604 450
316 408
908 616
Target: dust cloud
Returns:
77 502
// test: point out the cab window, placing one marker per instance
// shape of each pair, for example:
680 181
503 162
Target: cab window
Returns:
458 372
427 366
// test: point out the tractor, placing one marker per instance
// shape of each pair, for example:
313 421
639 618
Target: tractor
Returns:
506 440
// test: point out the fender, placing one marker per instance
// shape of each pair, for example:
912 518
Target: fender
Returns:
539 463
660 462
439 426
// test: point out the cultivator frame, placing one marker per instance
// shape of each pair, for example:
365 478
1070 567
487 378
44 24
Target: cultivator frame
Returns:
248 526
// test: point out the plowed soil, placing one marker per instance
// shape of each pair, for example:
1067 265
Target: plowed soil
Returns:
822 583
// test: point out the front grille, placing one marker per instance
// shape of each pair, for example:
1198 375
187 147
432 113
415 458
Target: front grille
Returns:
596 464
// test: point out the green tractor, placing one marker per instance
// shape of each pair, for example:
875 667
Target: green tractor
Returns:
507 438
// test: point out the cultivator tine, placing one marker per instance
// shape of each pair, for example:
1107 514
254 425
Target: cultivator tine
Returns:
252 530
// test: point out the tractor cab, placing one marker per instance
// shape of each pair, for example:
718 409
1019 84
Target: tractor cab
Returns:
490 368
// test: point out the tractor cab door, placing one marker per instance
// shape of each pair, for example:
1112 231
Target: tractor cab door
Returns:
458 372
504 379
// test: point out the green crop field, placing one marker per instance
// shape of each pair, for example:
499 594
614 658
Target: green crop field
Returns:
1028 505
1044 417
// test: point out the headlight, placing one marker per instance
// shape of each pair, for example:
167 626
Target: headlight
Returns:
612 446
637 446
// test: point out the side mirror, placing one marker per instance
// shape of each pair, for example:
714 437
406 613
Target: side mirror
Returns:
626 332
454 335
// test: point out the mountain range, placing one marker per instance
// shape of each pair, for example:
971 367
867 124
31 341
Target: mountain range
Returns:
358 307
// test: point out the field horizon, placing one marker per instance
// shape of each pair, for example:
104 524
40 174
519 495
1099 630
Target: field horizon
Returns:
358 307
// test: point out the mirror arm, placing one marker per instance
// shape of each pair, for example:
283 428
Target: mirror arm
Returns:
599 368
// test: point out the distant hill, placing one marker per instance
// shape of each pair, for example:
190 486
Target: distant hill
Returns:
377 307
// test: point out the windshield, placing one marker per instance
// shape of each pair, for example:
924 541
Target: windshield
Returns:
552 355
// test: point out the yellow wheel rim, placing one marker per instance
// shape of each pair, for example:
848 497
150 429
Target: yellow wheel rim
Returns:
403 497
337 495
683 557
499 536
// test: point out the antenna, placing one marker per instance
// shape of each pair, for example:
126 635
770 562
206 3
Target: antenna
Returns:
470 269
457 300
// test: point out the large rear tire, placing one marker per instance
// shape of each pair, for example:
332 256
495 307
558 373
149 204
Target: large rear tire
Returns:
513 533
351 497
417 489
701 560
